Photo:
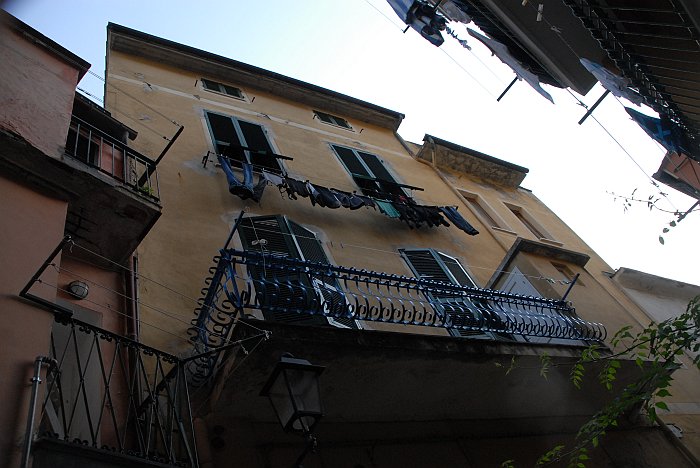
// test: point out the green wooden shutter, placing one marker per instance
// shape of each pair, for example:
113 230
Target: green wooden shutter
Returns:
433 265
224 135
328 288
256 140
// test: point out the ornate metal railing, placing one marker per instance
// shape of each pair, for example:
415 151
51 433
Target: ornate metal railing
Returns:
97 149
109 392
287 287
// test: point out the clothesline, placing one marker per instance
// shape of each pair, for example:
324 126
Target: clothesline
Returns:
404 208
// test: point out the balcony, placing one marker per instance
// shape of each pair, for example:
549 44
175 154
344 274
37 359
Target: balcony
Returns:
101 151
425 359
251 284
109 401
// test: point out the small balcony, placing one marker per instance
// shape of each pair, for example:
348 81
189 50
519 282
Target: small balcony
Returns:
101 151
111 185
109 401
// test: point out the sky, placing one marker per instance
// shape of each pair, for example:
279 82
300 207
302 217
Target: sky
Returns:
358 47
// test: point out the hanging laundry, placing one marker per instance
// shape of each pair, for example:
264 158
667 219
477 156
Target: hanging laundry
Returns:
348 200
662 130
245 188
501 51
323 196
617 85
462 42
274 179
295 187
387 208
422 17
451 213
454 12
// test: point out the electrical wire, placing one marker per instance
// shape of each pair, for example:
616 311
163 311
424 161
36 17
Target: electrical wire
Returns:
112 310
391 252
402 28
139 302
140 277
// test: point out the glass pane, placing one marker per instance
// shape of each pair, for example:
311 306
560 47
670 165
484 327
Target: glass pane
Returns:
210 85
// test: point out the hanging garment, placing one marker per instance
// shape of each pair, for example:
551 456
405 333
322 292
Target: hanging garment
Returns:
451 213
454 12
324 197
274 179
422 17
242 189
662 130
387 208
367 201
501 51
612 82
295 187
348 200
432 215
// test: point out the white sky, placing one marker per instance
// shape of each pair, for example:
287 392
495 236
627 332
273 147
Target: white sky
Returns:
350 47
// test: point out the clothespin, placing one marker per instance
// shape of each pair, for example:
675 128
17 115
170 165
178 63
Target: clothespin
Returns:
540 9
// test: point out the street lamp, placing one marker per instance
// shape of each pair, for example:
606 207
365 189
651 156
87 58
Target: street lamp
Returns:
293 390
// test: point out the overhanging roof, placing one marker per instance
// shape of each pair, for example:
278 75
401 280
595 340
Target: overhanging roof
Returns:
131 41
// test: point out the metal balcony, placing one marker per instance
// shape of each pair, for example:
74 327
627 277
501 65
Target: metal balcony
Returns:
288 288
108 394
110 156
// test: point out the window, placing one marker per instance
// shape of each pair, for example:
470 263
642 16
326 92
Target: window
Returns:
369 173
232 91
278 235
242 142
432 265
481 210
567 273
528 222
332 120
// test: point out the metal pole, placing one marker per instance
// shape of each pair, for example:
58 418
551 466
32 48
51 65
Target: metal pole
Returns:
568 290
508 88
590 111
29 434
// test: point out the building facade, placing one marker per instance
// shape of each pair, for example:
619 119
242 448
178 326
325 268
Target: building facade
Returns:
290 219
410 366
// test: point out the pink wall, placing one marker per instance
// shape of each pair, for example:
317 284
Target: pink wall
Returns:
30 228
36 92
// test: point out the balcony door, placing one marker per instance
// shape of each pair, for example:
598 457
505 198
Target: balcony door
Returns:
288 295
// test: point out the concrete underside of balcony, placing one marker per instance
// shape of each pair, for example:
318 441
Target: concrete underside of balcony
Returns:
380 385
103 215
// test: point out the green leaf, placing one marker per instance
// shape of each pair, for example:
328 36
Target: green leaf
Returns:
662 405
661 240
663 393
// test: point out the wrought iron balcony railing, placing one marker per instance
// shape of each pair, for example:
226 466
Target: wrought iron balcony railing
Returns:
108 392
110 156
283 287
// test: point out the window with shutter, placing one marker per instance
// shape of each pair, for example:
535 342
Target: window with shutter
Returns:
280 236
432 265
230 135
332 120
221 88
369 173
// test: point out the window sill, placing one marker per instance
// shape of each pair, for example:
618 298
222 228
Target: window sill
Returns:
337 126
507 231
224 94
551 241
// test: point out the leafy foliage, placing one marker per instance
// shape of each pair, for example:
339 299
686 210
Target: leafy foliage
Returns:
654 350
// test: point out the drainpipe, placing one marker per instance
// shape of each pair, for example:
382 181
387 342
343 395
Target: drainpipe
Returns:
29 434
133 323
